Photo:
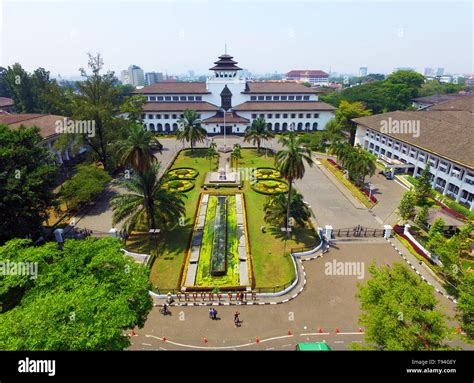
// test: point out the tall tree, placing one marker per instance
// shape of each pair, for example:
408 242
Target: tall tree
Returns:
258 132
423 185
348 111
399 311
27 176
137 149
190 129
236 155
84 297
406 208
275 209
290 161
148 204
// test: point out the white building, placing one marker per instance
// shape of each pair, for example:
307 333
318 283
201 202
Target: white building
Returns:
314 77
134 75
442 134
229 102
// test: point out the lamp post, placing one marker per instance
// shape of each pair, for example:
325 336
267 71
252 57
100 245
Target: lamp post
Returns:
371 187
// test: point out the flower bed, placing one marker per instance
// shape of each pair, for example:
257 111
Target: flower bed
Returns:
183 173
179 186
367 193
267 173
399 230
270 187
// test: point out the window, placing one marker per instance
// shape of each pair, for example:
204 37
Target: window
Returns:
174 117
198 98
260 98
262 115
298 98
276 98
152 98
306 98
190 98
159 98
268 98
277 115
301 115
270 115
166 117
284 98
285 115
254 116
253 98
158 116
167 98
308 115
150 116
182 98
291 98
316 115
175 98
293 115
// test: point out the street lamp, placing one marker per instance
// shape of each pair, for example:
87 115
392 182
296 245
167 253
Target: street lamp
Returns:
371 187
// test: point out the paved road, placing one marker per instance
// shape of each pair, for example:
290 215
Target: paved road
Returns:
328 302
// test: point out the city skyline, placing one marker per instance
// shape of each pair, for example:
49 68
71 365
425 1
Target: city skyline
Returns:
175 37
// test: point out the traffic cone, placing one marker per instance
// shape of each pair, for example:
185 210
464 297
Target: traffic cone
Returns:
205 340
289 332
320 329
164 339
360 329
337 330
257 339
133 332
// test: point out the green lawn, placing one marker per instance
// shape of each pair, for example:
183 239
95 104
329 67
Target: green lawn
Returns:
270 251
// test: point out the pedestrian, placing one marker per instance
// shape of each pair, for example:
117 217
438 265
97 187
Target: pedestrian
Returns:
236 318
214 314
211 313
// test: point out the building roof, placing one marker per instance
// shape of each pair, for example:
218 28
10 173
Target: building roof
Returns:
5 101
174 87
277 87
306 73
461 104
178 106
446 134
230 117
283 106
436 99
45 122
225 62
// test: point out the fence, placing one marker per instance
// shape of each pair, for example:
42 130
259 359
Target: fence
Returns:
358 231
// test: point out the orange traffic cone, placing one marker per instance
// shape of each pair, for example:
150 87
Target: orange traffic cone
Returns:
337 330
257 339
164 339
320 329
289 332
205 340
360 329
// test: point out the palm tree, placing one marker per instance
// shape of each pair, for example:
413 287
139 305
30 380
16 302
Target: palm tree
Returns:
137 150
258 132
341 150
275 209
148 203
290 162
211 152
190 128
236 155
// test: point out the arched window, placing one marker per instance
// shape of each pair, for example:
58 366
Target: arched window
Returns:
269 126
277 126
151 127
315 126
159 127
285 127
300 126
167 128
307 126
175 127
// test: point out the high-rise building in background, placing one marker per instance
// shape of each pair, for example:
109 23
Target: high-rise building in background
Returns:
440 72
428 72
133 75
153 77
363 71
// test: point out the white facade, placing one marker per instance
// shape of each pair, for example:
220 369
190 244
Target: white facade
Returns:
449 178
282 104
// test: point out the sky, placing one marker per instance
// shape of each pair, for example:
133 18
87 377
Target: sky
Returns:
174 36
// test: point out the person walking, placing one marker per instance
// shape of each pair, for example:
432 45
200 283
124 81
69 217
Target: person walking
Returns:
211 313
214 314
236 319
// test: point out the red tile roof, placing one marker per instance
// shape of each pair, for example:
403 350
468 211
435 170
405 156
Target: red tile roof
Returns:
277 87
307 73
284 106
178 106
175 87
45 122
